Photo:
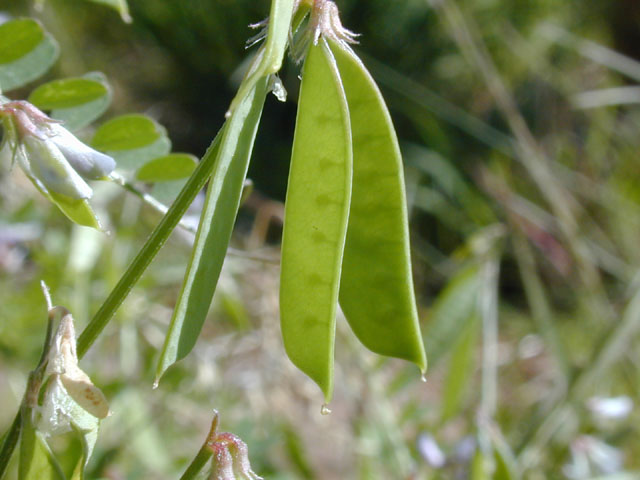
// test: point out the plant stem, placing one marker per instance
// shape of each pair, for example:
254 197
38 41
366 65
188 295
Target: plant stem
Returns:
163 209
488 307
198 463
10 442
205 452
33 386
150 249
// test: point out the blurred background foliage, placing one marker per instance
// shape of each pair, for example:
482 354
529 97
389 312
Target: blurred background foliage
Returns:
519 126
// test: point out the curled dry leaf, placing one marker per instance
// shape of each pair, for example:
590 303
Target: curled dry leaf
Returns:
64 372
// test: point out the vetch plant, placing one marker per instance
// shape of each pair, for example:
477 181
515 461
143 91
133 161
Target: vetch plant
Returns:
525 216
318 231
345 239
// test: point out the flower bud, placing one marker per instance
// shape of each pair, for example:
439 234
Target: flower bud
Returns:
89 163
51 156
230 458
48 168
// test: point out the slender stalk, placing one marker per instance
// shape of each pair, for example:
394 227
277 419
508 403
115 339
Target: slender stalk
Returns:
163 209
488 306
205 452
33 386
145 197
10 442
150 249
194 468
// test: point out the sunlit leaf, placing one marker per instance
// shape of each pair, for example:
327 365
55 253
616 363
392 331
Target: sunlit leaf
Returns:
19 37
132 140
127 132
26 52
169 167
76 101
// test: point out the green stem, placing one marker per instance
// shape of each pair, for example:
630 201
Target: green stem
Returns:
10 442
198 463
163 209
150 249
33 385
205 452
488 307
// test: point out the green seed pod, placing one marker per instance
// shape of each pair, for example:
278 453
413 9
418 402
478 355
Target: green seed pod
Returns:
376 288
316 216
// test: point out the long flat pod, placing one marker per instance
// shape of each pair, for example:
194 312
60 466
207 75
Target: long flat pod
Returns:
376 288
216 224
316 216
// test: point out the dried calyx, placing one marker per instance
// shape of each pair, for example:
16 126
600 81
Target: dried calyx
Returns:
324 21
230 455
68 387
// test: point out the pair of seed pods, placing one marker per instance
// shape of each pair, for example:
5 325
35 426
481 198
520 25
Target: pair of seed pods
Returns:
346 234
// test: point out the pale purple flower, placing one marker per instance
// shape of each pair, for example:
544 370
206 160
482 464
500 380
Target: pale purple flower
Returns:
51 156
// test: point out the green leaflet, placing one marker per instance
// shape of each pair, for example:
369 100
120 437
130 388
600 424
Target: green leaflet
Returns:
27 51
132 140
214 231
376 289
127 132
316 216
169 167
20 36
67 93
76 101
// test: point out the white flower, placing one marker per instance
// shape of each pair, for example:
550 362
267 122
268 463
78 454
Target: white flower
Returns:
51 156
49 170
89 163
